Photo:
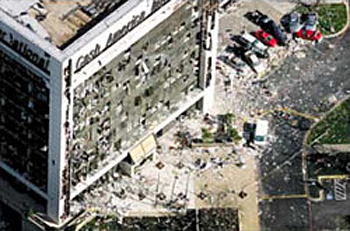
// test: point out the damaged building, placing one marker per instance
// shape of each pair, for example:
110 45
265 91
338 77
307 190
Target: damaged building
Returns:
86 87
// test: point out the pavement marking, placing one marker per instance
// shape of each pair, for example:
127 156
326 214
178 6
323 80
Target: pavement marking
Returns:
329 177
301 114
325 177
340 190
290 111
293 196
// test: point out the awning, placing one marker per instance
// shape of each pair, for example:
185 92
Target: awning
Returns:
149 144
137 153
143 149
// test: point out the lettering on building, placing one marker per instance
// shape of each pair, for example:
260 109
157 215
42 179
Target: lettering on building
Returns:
113 37
23 49
158 4
85 59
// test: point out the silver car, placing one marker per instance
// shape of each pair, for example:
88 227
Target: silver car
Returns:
310 21
294 23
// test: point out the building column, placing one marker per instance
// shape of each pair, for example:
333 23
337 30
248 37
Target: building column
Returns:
58 146
210 47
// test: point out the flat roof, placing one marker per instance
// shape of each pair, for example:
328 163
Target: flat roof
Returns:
59 21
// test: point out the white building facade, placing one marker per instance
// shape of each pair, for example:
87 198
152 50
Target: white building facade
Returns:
109 90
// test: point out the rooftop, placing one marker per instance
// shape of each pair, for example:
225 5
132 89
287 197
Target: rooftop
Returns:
59 21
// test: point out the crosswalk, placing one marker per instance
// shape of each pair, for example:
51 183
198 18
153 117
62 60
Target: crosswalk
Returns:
340 190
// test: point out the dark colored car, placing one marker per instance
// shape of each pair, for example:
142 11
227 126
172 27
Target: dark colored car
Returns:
291 22
247 46
256 17
244 44
267 25
271 28
249 131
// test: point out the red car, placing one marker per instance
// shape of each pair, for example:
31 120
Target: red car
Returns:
310 35
266 38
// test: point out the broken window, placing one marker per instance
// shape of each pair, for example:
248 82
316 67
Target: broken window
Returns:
148 107
137 101
119 108
182 26
143 122
126 86
118 145
145 46
137 70
185 78
167 104
188 36
139 59
149 91
185 54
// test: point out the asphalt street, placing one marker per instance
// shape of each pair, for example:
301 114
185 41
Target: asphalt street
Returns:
304 82
285 214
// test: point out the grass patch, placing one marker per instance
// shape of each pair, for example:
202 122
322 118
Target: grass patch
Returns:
331 17
334 128
207 136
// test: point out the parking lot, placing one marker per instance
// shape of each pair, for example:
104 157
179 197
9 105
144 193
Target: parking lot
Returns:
310 80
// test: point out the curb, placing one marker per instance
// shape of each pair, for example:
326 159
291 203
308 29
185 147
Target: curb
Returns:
345 2
305 151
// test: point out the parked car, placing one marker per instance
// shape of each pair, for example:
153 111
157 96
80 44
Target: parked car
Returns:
250 58
291 22
238 64
256 17
310 35
249 131
266 38
249 42
261 132
271 27
254 41
310 21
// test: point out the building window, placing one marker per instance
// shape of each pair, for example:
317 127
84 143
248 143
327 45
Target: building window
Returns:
167 104
149 91
182 26
137 101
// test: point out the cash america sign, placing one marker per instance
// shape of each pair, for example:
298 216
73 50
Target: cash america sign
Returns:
115 36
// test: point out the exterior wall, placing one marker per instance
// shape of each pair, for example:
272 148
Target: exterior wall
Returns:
143 79
134 92
24 107
24 121
35 76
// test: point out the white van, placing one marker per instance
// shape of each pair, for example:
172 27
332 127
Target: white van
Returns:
262 127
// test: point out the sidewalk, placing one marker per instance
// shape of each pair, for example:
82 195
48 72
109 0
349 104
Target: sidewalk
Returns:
223 188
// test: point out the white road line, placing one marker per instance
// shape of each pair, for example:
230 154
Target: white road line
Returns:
340 190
